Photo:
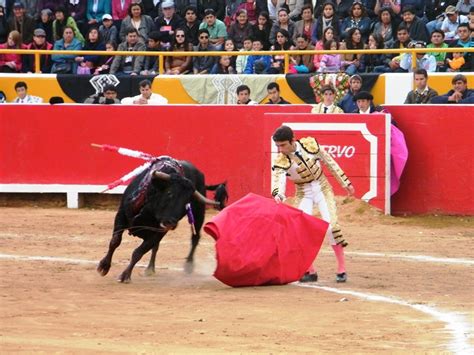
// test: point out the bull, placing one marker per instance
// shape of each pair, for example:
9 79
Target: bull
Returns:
153 204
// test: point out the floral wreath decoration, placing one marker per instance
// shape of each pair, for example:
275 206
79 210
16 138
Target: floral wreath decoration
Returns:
339 81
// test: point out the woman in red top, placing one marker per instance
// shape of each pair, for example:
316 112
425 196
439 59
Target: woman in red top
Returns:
9 62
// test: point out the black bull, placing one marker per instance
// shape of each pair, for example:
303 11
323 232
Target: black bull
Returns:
153 204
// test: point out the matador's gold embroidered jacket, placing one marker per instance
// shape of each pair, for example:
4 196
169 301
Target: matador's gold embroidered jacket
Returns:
292 167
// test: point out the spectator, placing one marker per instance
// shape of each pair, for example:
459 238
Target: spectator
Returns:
357 18
203 64
39 42
352 62
96 9
347 103
386 27
45 22
392 63
261 30
137 20
54 100
108 32
272 10
437 41
223 66
11 62
283 23
151 65
460 94
217 7
241 60
150 7
455 63
328 18
107 97
282 44
451 23
257 64
191 26
274 98
88 63
179 65
229 46
416 27
307 23
250 7
216 29
77 10
3 25
31 9
105 68
63 20
65 63
21 22
465 40
342 8
393 5
463 6
363 100
22 95
294 8
423 60
168 22
327 105
422 94
47 4
131 65
240 29
330 63
243 96
328 35
417 7
3 97
302 63
119 10
146 97
372 61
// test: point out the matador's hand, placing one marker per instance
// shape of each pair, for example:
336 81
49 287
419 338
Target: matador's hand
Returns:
279 198
350 190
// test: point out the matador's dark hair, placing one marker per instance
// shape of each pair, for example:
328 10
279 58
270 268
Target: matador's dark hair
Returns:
282 134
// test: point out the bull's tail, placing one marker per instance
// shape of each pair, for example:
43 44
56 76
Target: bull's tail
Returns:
220 194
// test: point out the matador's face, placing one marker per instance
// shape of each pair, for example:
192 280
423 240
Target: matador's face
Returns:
285 147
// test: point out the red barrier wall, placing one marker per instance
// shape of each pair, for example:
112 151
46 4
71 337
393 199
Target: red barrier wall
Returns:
439 175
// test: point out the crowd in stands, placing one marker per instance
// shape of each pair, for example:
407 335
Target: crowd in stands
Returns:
236 25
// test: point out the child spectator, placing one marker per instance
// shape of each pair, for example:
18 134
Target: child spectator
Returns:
229 46
11 62
330 63
457 61
241 61
88 63
261 30
328 35
105 68
223 66
108 31
257 64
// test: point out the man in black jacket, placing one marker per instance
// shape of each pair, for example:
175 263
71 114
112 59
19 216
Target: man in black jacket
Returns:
460 94
167 23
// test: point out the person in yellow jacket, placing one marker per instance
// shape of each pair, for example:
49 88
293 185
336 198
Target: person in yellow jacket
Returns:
300 161
327 104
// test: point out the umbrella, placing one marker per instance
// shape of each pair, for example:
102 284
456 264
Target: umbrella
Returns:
261 242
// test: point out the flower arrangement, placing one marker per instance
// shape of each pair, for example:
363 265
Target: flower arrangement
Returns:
340 81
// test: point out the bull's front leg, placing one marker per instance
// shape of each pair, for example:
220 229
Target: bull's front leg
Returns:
150 270
137 254
104 265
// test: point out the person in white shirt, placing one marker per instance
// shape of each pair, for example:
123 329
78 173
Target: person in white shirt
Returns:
363 99
451 22
243 96
146 97
23 98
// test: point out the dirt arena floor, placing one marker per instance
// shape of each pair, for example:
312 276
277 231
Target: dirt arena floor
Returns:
410 289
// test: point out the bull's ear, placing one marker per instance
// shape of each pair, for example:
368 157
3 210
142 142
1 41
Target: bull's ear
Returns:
160 176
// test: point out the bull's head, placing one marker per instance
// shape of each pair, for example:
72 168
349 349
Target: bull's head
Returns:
176 192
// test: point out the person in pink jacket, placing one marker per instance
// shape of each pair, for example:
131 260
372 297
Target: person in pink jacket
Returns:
10 62
120 9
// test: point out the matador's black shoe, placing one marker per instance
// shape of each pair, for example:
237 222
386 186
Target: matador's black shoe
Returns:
342 277
307 277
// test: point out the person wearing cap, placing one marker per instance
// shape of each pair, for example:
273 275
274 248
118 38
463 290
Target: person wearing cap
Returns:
150 66
168 22
363 100
355 84
108 31
96 9
451 22
422 94
21 22
460 94
22 95
216 28
136 19
416 27
327 105
423 60
39 42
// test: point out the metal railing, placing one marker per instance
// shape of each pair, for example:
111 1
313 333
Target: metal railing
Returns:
287 54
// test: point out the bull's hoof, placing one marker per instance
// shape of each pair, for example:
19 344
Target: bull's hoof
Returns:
124 278
188 267
149 271
103 267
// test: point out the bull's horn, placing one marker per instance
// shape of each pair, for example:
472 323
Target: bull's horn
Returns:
160 175
204 199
